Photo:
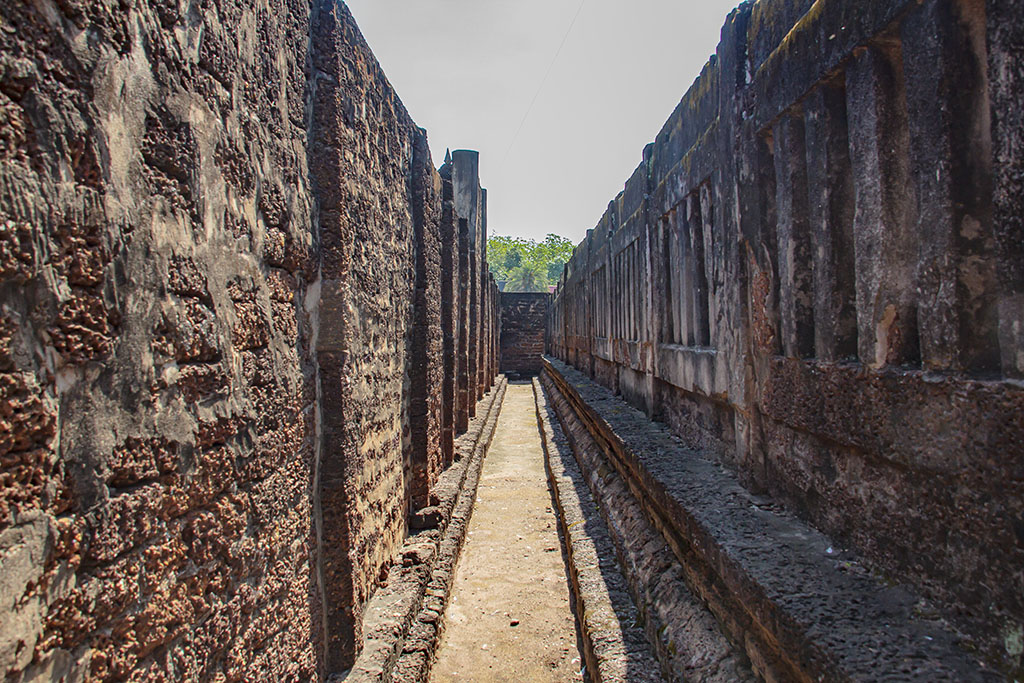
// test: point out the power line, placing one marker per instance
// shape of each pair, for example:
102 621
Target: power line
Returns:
544 80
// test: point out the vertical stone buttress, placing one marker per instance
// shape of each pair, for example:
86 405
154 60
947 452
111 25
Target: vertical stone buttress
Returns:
462 348
425 368
332 498
379 341
1005 26
467 203
450 311
483 275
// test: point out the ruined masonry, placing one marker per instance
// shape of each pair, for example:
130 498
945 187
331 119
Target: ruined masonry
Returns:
523 320
815 280
244 322
249 368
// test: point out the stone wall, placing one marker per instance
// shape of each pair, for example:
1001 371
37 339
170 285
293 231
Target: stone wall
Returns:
523 317
814 276
223 308
473 352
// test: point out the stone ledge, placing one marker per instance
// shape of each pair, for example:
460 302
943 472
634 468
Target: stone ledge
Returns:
404 617
801 609
614 644
687 640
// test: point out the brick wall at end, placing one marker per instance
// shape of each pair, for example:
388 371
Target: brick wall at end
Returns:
522 331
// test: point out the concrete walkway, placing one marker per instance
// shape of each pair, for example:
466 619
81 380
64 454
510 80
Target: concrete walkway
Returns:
509 616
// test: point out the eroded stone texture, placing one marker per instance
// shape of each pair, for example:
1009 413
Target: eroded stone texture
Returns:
814 277
523 316
790 604
157 451
221 353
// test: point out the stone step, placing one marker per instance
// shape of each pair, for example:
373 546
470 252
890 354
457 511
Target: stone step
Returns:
402 619
800 608
628 583
614 644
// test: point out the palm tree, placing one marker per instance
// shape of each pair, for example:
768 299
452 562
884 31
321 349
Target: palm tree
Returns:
529 277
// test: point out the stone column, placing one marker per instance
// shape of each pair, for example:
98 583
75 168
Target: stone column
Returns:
425 364
950 159
830 212
449 312
1004 27
468 200
885 248
796 293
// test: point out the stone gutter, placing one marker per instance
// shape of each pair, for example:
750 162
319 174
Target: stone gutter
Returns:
403 619
688 642
614 644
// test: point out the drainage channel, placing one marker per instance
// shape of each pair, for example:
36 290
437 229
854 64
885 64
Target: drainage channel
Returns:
601 549
509 616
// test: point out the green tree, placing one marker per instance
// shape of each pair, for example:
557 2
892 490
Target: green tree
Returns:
555 252
525 265
527 278
513 259
555 269
504 254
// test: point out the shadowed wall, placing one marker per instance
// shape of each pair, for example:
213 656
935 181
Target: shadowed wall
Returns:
222 337
814 277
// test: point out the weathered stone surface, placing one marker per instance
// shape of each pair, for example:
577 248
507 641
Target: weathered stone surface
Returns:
615 645
403 617
523 318
220 338
798 606
814 277
136 309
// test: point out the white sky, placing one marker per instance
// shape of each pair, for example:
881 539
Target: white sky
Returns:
467 71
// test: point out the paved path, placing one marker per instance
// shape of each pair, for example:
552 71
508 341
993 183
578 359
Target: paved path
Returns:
509 617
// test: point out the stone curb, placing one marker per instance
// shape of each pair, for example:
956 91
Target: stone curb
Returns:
403 620
614 645
801 609
688 641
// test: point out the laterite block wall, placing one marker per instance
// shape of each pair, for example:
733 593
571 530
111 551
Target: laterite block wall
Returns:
523 318
814 276
222 328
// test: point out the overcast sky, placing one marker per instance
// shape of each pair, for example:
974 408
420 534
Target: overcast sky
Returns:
467 71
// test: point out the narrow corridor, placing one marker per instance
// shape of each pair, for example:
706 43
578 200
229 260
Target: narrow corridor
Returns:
509 616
